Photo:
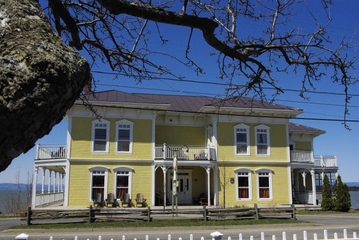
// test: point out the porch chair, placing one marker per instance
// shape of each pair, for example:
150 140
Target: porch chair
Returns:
98 200
111 200
126 200
203 199
140 200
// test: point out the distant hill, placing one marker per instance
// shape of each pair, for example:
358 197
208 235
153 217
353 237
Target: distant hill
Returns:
15 186
352 184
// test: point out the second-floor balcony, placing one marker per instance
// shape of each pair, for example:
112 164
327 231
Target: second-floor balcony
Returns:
164 152
168 152
51 152
317 161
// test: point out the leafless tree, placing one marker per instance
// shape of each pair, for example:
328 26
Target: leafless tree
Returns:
40 77
18 200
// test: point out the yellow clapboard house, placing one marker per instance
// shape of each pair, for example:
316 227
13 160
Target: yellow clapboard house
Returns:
231 152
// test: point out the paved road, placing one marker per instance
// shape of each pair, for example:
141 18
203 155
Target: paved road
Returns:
332 223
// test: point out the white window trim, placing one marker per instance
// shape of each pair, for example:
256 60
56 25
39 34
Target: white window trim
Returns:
244 170
119 169
94 169
107 135
269 171
268 139
241 126
124 122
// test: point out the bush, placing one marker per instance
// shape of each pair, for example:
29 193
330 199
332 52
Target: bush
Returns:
342 201
327 201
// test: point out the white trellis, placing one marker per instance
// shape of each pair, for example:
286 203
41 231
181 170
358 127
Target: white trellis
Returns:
218 236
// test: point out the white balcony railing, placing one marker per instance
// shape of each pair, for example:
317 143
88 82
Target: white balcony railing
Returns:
51 152
325 161
301 156
185 152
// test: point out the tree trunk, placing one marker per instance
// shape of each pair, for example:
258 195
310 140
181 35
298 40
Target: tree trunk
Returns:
40 77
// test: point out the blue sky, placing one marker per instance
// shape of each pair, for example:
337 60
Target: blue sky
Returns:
327 103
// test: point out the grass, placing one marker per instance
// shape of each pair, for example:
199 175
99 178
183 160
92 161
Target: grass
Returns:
320 212
159 223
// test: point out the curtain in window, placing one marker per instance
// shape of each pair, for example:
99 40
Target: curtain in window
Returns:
122 186
123 140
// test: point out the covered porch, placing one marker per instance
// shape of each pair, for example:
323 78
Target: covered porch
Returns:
308 175
197 183
50 166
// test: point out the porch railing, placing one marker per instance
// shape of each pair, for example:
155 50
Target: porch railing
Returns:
48 152
301 156
325 161
185 152
48 198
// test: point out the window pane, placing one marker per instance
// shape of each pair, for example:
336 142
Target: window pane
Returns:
121 186
123 146
263 182
98 184
123 134
243 182
100 134
243 193
264 193
242 137
99 146
262 149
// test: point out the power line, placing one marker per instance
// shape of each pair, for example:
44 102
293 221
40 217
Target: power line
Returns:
227 84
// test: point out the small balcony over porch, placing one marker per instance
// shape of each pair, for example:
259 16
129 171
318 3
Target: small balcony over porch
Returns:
168 152
326 161
51 152
301 156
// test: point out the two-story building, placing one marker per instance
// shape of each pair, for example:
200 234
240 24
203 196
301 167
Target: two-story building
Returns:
232 152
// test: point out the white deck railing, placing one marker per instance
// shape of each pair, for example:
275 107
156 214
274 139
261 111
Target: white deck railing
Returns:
301 156
219 236
49 152
48 198
325 161
185 152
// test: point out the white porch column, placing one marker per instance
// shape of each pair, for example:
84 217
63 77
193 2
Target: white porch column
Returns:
153 184
43 181
208 171
215 186
49 182
304 184
34 183
164 169
314 190
61 182
58 181
54 182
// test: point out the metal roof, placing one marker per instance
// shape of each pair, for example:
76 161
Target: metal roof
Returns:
185 103
297 128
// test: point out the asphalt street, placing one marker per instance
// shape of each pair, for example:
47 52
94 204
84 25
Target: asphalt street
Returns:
335 223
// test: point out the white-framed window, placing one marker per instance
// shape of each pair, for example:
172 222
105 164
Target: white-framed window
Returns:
123 182
100 136
241 139
124 134
244 184
98 183
264 180
262 140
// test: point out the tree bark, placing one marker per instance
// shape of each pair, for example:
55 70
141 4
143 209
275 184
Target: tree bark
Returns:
40 77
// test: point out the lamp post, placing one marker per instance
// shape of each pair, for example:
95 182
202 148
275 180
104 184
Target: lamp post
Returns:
174 186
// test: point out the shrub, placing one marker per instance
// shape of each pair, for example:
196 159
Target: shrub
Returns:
327 201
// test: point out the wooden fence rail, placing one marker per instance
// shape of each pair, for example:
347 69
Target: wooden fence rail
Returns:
92 214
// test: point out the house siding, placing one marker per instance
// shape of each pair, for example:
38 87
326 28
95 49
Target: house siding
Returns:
79 193
180 135
280 193
278 143
81 139
303 146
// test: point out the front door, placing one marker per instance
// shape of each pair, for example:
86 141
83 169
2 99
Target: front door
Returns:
184 188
